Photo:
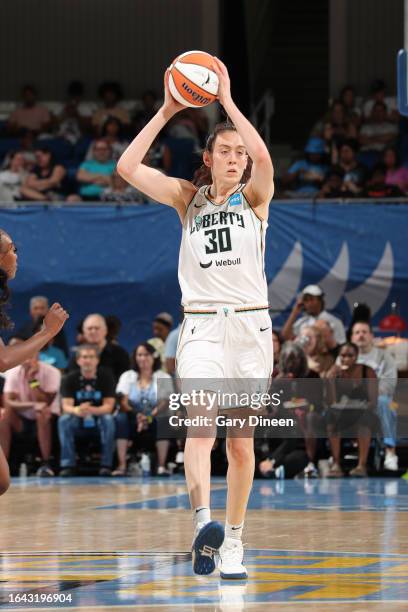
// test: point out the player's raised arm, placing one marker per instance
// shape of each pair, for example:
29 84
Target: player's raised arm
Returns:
165 189
260 188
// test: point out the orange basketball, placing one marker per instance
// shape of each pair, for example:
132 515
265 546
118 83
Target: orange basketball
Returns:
192 80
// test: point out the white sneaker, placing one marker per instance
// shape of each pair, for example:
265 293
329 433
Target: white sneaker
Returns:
391 462
230 563
179 457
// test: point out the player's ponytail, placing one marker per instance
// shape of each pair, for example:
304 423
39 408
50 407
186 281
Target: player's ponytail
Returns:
203 176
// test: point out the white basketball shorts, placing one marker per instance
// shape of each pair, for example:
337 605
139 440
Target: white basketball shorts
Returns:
233 343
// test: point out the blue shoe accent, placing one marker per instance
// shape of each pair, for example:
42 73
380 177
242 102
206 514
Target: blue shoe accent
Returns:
208 541
241 576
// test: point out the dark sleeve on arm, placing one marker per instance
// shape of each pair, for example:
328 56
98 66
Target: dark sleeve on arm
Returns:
122 361
106 382
68 386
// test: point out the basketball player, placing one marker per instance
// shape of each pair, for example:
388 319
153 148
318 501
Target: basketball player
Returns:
11 356
227 329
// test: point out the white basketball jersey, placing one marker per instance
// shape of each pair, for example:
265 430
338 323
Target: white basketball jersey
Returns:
222 252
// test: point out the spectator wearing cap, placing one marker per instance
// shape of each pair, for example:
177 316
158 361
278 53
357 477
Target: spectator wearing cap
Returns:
312 302
111 355
161 326
30 115
305 177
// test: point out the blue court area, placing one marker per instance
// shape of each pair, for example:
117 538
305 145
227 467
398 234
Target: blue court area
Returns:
142 580
345 494
310 543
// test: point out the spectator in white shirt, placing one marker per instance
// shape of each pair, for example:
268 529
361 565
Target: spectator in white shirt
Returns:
386 370
379 132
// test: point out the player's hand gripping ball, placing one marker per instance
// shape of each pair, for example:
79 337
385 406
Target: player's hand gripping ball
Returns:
192 80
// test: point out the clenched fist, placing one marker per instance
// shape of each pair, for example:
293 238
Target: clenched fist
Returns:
55 319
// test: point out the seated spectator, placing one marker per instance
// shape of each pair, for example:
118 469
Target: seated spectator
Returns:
386 370
312 302
111 95
319 359
378 94
26 148
376 187
39 307
112 133
305 177
303 397
354 173
330 341
30 399
353 402
53 356
378 132
159 156
75 117
333 186
140 405
120 191
88 400
148 110
44 183
112 356
162 324
339 123
395 173
95 174
12 178
348 98
30 115
183 126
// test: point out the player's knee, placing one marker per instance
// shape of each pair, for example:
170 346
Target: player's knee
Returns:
239 450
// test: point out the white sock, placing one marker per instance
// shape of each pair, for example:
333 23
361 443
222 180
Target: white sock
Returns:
201 516
233 531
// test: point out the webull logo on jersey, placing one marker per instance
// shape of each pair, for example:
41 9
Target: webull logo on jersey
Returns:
217 218
228 262
235 200
221 263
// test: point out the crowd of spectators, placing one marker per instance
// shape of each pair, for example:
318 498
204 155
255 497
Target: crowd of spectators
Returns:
98 404
353 151
98 394
68 151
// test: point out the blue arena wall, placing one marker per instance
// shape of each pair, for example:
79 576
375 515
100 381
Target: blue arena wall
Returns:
123 260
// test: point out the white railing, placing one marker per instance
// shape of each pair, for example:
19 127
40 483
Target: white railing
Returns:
262 114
